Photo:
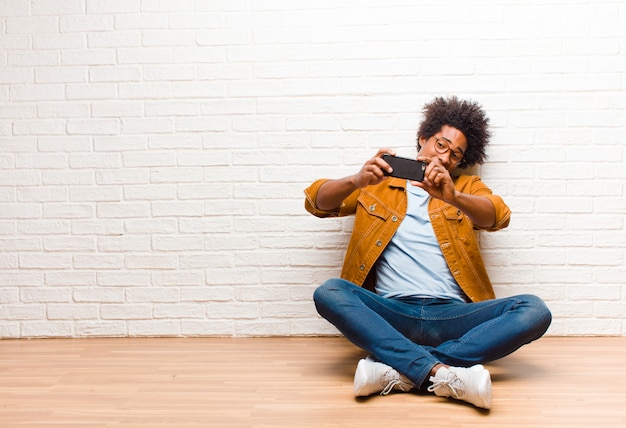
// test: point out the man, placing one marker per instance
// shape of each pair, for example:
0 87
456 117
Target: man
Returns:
414 291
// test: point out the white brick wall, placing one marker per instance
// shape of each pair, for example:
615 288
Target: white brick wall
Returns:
153 153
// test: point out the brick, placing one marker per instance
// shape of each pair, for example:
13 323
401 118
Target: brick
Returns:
179 310
10 330
31 24
100 328
257 328
141 21
70 278
168 38
207 328
123 210
32 311
124 279
243 275
215 259
97 227
125 176
115 244
154 328
198 20
98 262
181 278
20 279
68 243
45 329
123 143
154 227
99 295
60 75
85 23
57 311
142 55
140 125
167 6
152 294
177 244
125 311
101 194
169 73
114 74
177 209
58 41
207 294
112 6
58 7
43 92
45 261
91 91
93 126
237 311
151 261
116 39
67 211
14 8
93 57
64 144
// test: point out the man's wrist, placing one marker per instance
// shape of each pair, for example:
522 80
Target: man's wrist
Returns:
455 200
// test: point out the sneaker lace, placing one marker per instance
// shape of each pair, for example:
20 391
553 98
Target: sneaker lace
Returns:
452 383
392 381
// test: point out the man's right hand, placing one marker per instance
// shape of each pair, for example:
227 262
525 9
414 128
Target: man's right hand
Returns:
332 193
372 171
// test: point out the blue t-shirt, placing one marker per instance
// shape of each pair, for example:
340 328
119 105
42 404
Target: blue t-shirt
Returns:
413 265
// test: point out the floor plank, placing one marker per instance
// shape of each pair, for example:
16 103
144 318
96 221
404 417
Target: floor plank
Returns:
290 382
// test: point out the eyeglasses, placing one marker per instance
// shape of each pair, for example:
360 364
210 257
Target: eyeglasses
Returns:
442 146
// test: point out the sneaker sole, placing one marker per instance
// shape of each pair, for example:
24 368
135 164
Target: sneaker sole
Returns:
360 373
484 387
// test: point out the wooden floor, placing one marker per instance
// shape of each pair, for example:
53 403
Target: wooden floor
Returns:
291 382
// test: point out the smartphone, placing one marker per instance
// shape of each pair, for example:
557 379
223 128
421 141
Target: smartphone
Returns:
410 169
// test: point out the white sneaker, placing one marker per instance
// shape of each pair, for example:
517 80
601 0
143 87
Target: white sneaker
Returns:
372 376
472 385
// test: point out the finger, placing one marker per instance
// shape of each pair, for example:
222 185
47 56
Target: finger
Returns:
431 172
381 164
376 173
384 150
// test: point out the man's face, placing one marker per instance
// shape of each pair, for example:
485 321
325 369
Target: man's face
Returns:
449 145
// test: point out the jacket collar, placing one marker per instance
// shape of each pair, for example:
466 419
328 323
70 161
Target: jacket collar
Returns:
396 182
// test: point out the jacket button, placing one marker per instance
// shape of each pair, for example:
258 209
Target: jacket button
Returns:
458 212
379 243
372 207
362 267
394 218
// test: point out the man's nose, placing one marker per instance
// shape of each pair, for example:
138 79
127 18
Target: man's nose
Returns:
444 158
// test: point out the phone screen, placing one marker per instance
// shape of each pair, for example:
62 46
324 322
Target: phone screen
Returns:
410 169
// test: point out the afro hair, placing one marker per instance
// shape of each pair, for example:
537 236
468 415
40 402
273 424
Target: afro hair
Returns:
466 116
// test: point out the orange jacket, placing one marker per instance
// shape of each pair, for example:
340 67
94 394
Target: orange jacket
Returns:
379 210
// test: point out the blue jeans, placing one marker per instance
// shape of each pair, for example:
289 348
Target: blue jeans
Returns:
412 335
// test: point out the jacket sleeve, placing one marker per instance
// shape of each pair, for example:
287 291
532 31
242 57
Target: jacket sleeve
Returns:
503 212
347 207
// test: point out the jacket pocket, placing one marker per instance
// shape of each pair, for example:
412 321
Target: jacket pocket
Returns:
371 215
460 224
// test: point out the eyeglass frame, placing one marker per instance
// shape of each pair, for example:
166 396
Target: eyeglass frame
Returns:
447 149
